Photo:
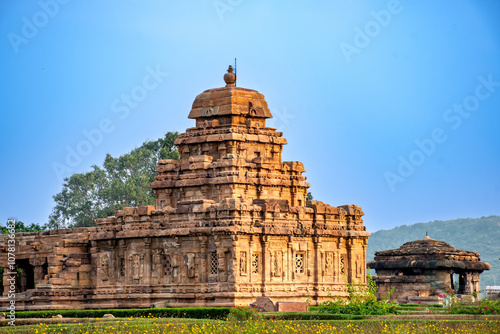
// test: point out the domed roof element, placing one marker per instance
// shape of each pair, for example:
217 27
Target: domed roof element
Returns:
427 253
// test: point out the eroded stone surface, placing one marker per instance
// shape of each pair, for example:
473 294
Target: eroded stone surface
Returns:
292 306
231 224
264 304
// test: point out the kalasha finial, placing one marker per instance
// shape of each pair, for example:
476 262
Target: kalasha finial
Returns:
230 77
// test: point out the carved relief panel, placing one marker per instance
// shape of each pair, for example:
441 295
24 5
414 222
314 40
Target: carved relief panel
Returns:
135 260
276 263
255 264
329 264
156 263
104 266
189 260
243 263
359 266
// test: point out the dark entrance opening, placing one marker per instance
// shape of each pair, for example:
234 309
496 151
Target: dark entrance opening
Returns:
25 275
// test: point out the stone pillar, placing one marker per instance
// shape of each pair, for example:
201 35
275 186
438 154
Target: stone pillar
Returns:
94 261
112 263
122 262
265 260
250 252
318 265
232 265
338 259
363 256
203 259
6 282
309 271
350 265
289 260
147 261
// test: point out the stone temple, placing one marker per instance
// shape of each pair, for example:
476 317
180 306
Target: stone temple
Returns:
231 224
421 270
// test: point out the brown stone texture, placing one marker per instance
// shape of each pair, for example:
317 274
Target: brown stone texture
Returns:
421 270
231 224
264 304
292 307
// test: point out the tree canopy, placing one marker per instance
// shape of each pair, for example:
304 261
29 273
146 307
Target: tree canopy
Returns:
120 182
21 227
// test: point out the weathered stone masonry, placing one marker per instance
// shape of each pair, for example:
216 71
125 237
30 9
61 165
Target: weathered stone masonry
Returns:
231 224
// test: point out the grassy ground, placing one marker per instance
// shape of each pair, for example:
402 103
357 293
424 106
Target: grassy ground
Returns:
178 326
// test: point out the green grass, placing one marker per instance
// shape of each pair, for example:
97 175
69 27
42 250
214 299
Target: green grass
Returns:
179 326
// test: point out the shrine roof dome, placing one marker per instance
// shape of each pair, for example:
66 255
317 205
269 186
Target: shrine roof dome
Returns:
230 100
427 253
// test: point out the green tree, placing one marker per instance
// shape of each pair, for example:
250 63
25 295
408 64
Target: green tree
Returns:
309 196
121 182
21 227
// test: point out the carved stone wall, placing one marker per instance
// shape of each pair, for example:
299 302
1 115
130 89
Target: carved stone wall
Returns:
231 224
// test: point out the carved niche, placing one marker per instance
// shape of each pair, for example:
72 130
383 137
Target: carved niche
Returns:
276 263
135 260
156 263
329 263
359 265
104 263
189 259
243 263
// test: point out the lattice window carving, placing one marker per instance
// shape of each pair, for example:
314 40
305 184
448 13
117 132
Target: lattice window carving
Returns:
299 263
255 263
214 263
342 265
167 267
122 267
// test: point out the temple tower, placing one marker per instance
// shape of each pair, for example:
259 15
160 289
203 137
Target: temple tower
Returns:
230 153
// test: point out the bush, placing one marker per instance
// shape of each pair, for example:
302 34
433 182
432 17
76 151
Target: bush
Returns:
485 307
243 313
361 301
182 312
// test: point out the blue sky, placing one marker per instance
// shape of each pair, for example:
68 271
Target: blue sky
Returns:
391 105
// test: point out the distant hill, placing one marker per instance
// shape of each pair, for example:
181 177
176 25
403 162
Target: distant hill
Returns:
481 235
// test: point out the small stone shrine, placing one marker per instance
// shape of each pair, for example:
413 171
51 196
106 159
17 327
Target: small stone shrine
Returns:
421 270
231 224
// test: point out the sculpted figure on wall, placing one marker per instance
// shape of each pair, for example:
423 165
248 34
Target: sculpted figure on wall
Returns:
104 259
329 263
190 266
156 265
136 266
243 263
277 263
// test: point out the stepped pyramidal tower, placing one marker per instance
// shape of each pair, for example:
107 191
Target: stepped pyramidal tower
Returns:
231 224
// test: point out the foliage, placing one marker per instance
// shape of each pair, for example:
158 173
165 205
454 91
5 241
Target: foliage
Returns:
181 312
21 227
312 316
480 235
244 313
485 307
361 301
309 196
120 182
162 325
